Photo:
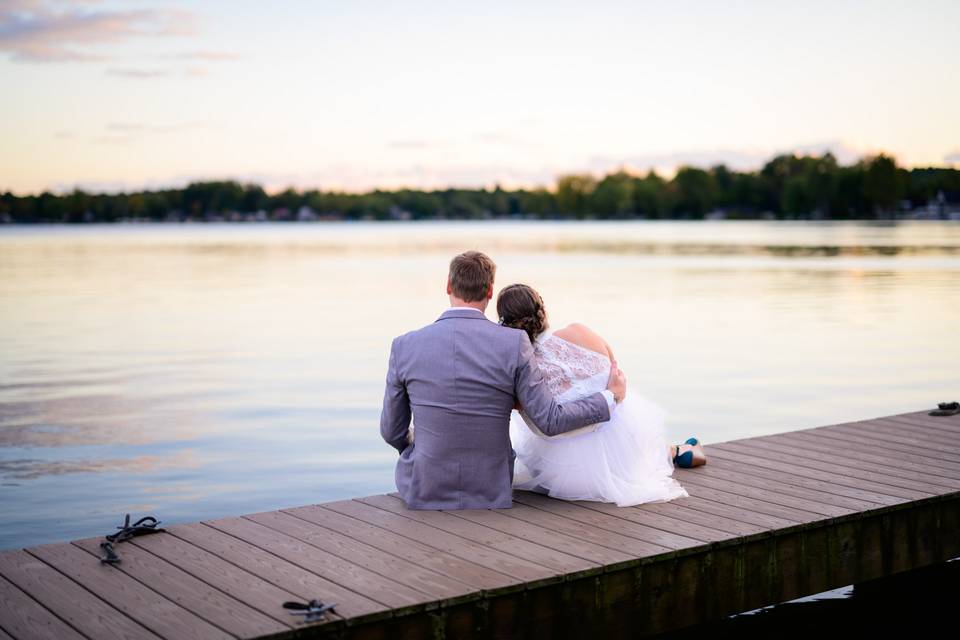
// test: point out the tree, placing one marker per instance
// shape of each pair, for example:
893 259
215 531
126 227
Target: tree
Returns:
613 196
694 192
881 188
253 198
820 175
650 196
572 193
787 184
725 181
539 202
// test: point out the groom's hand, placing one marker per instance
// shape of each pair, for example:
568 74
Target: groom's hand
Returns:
617 384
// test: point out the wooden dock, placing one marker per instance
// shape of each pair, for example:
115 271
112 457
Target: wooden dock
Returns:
768 519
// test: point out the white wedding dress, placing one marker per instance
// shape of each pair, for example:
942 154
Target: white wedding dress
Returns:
625 460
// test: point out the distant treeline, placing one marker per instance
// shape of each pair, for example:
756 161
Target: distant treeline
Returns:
787 186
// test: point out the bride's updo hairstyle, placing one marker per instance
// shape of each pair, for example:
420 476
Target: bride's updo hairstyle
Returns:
521 307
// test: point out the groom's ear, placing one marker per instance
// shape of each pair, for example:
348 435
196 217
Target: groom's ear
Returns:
449 287
490 293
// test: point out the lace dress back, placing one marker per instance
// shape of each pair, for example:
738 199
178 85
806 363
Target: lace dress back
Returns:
571 372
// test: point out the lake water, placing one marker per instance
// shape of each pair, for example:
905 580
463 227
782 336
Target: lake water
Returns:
196 371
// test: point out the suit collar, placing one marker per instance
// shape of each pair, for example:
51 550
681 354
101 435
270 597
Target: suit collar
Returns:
470 314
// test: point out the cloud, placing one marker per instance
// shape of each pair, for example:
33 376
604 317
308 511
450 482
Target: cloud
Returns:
53 32
415 144
141 127
196 72
483 137
952 158
122 133
493 137
502 138
125 126
117 140
134 73
138 74
206 56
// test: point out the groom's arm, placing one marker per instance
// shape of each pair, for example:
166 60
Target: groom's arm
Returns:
395 416
551 417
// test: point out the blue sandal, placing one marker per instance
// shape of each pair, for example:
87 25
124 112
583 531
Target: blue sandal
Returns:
685 460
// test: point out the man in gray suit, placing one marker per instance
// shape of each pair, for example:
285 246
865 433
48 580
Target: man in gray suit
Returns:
460 378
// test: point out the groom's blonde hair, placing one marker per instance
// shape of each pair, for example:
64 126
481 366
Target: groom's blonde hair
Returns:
471 275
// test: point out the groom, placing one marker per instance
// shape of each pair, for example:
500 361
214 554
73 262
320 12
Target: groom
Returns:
460 378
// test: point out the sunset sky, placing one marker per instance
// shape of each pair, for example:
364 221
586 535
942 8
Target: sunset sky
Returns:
356 94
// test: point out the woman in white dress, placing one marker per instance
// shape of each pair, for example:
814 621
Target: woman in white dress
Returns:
626 460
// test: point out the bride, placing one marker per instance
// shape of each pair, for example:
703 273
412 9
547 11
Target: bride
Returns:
625 460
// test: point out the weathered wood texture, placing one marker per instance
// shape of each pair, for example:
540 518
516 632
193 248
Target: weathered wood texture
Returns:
768 519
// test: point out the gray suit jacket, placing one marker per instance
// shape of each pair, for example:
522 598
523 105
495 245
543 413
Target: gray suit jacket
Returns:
459 378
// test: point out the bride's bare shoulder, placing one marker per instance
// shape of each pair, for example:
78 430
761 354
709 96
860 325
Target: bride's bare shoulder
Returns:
585 337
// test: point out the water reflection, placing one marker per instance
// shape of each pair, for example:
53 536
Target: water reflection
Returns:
27 469
212 370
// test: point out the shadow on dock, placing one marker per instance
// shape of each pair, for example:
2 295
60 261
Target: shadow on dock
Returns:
910 603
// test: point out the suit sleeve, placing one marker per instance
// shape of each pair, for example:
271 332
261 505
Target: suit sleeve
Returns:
395 415
551 417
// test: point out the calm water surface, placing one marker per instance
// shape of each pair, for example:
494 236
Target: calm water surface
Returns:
197 371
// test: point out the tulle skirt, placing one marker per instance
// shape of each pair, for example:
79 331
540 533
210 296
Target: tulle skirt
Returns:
625 460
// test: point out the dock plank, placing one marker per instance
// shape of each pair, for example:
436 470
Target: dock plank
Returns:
910 488
285 575
675 510
505 553
718 468
676 523
564 536
868 454
241 584
884 438
155 612
918 477
925 413
947 438
735 512
194 595
668 539
882 493
81 609
373 585
763 492
24 617
469 573
575 528
435 585
941 424
855 441
909 428
736 462
544 537
764 506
